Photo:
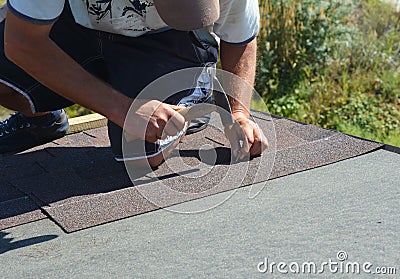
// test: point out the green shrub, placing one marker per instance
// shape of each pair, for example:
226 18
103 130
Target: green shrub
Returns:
341 68
293 42
77 110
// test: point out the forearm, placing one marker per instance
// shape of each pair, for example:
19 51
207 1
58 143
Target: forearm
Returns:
240 61
46 62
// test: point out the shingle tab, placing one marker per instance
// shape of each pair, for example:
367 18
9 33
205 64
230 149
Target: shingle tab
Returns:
19 211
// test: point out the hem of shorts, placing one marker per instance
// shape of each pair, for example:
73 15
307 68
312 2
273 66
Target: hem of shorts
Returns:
26 95
31 19
242 43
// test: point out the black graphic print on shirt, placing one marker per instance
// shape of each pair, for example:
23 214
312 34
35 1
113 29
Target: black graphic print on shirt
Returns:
107 9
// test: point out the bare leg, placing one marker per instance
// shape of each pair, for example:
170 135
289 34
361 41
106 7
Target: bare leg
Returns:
13 100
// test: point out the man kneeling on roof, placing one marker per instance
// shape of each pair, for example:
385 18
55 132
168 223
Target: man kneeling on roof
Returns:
101 54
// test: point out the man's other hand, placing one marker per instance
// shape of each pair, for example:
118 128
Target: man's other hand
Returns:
254 141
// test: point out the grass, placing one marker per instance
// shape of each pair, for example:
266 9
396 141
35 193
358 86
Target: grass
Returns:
2 2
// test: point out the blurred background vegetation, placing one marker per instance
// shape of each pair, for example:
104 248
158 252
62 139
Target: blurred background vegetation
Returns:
333 63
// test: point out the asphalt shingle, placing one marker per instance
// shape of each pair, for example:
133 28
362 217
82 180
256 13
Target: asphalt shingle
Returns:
19 211
79 184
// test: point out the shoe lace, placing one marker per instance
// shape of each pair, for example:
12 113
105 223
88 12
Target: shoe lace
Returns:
13 123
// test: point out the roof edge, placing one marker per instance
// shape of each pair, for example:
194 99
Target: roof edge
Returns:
391 148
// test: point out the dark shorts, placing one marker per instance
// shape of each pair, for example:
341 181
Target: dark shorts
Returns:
127 64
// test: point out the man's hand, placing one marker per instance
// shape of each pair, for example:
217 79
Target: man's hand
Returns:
153 120
254 140
240 60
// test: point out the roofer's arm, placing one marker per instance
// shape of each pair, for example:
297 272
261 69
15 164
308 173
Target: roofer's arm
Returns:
241 61
29 46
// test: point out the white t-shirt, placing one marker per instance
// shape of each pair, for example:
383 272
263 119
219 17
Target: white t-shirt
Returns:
238 23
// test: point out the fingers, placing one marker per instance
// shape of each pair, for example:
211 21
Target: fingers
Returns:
172 127
177 121
177 108
260 142
247 142
152 134
166 122
235 145
172 124
254 142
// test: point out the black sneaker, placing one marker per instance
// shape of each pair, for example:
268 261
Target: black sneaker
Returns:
17 133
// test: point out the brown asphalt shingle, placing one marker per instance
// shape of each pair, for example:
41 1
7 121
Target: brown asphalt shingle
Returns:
16 208
79 184
18 212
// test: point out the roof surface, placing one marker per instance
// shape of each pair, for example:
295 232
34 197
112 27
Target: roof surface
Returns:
352 206
76 182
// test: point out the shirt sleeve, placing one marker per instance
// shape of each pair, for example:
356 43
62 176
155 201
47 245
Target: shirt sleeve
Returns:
37 11
239 21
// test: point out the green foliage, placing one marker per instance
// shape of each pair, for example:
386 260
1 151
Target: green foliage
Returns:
293 42
364 111
348 78
77 110
4 112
